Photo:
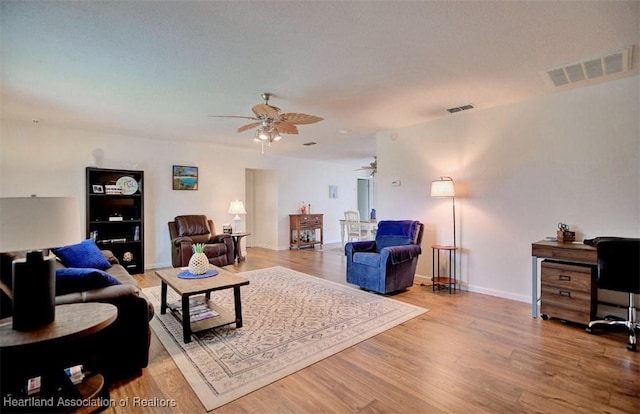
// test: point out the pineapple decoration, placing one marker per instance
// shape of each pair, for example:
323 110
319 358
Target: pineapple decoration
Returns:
199 263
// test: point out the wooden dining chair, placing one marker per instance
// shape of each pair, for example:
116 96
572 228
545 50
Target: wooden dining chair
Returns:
352 224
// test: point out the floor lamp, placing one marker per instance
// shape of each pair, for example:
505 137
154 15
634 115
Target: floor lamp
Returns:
34 224
443 187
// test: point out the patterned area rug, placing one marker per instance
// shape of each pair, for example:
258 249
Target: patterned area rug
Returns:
291 320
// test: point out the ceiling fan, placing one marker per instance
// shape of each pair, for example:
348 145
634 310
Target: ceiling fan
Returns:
373 167
270 122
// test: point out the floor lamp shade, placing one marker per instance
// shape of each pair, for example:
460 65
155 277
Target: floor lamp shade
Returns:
444 188
32 224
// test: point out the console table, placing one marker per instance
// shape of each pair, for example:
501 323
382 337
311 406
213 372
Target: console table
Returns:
570 265
302 230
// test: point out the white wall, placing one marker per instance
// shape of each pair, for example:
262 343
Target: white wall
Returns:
519 170
50 161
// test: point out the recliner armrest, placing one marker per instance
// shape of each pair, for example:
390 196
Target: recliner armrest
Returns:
400 254
220 238
359 246
183 239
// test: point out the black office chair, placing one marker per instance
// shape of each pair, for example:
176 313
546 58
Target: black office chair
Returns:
619 270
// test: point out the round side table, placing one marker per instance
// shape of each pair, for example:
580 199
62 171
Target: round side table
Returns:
46 352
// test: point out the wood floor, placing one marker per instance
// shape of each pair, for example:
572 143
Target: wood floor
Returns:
470 353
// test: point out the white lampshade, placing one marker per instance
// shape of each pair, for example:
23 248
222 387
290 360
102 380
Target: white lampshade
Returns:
237 207
35 223
443 187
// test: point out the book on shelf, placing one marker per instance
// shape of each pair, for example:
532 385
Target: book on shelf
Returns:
198 310
74 373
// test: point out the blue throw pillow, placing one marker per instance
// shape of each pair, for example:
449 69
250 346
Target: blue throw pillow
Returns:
72 279
84 254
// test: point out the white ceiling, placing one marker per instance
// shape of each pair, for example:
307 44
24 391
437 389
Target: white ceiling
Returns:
158 69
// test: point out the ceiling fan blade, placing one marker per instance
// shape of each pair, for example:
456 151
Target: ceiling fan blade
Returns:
301 119
266 111
286 127
249 126
234 116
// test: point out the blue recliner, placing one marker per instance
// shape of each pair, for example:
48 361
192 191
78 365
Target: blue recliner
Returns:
387 264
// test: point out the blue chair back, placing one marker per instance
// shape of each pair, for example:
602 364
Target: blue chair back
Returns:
397 233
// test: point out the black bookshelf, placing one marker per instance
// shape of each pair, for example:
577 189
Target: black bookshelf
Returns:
115 214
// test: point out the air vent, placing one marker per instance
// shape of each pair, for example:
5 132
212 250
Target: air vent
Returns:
308 144
459 108
609 64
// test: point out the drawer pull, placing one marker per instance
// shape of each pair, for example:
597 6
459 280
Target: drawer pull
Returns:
565 277
565 293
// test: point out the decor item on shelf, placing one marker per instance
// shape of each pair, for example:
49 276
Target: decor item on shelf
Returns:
112 189
198 263
127 184
237 207
185 178
303 208
34 224
271 122
444 188
127 257
227 229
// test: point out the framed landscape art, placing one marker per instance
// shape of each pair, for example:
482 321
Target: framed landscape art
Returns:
185 178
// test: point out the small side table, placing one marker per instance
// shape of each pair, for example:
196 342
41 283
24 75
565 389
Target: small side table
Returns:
443 281
48 350
237 249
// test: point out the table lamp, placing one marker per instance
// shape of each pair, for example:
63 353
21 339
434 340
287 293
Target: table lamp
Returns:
443 187
236 207
32 224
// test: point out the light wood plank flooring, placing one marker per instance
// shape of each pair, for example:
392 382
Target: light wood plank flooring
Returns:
470 353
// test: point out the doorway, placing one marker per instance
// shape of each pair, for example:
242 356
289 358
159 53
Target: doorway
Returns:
365 197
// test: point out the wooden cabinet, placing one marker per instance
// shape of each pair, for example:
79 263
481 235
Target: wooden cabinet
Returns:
115 214
305 230
568 291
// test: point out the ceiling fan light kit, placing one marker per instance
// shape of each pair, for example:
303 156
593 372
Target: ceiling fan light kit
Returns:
271 122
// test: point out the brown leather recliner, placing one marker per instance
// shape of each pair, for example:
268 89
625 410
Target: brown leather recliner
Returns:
187 230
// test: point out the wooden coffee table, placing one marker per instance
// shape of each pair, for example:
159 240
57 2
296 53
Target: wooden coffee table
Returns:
187 288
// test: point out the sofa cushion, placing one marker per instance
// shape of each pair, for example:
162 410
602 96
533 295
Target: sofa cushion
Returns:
192 225
73 279
83 255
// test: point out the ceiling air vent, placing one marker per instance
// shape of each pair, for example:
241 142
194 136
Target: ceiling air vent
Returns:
459 108
609 64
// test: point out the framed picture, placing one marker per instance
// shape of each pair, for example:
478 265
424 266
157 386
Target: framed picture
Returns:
333 191
185 178
98 189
